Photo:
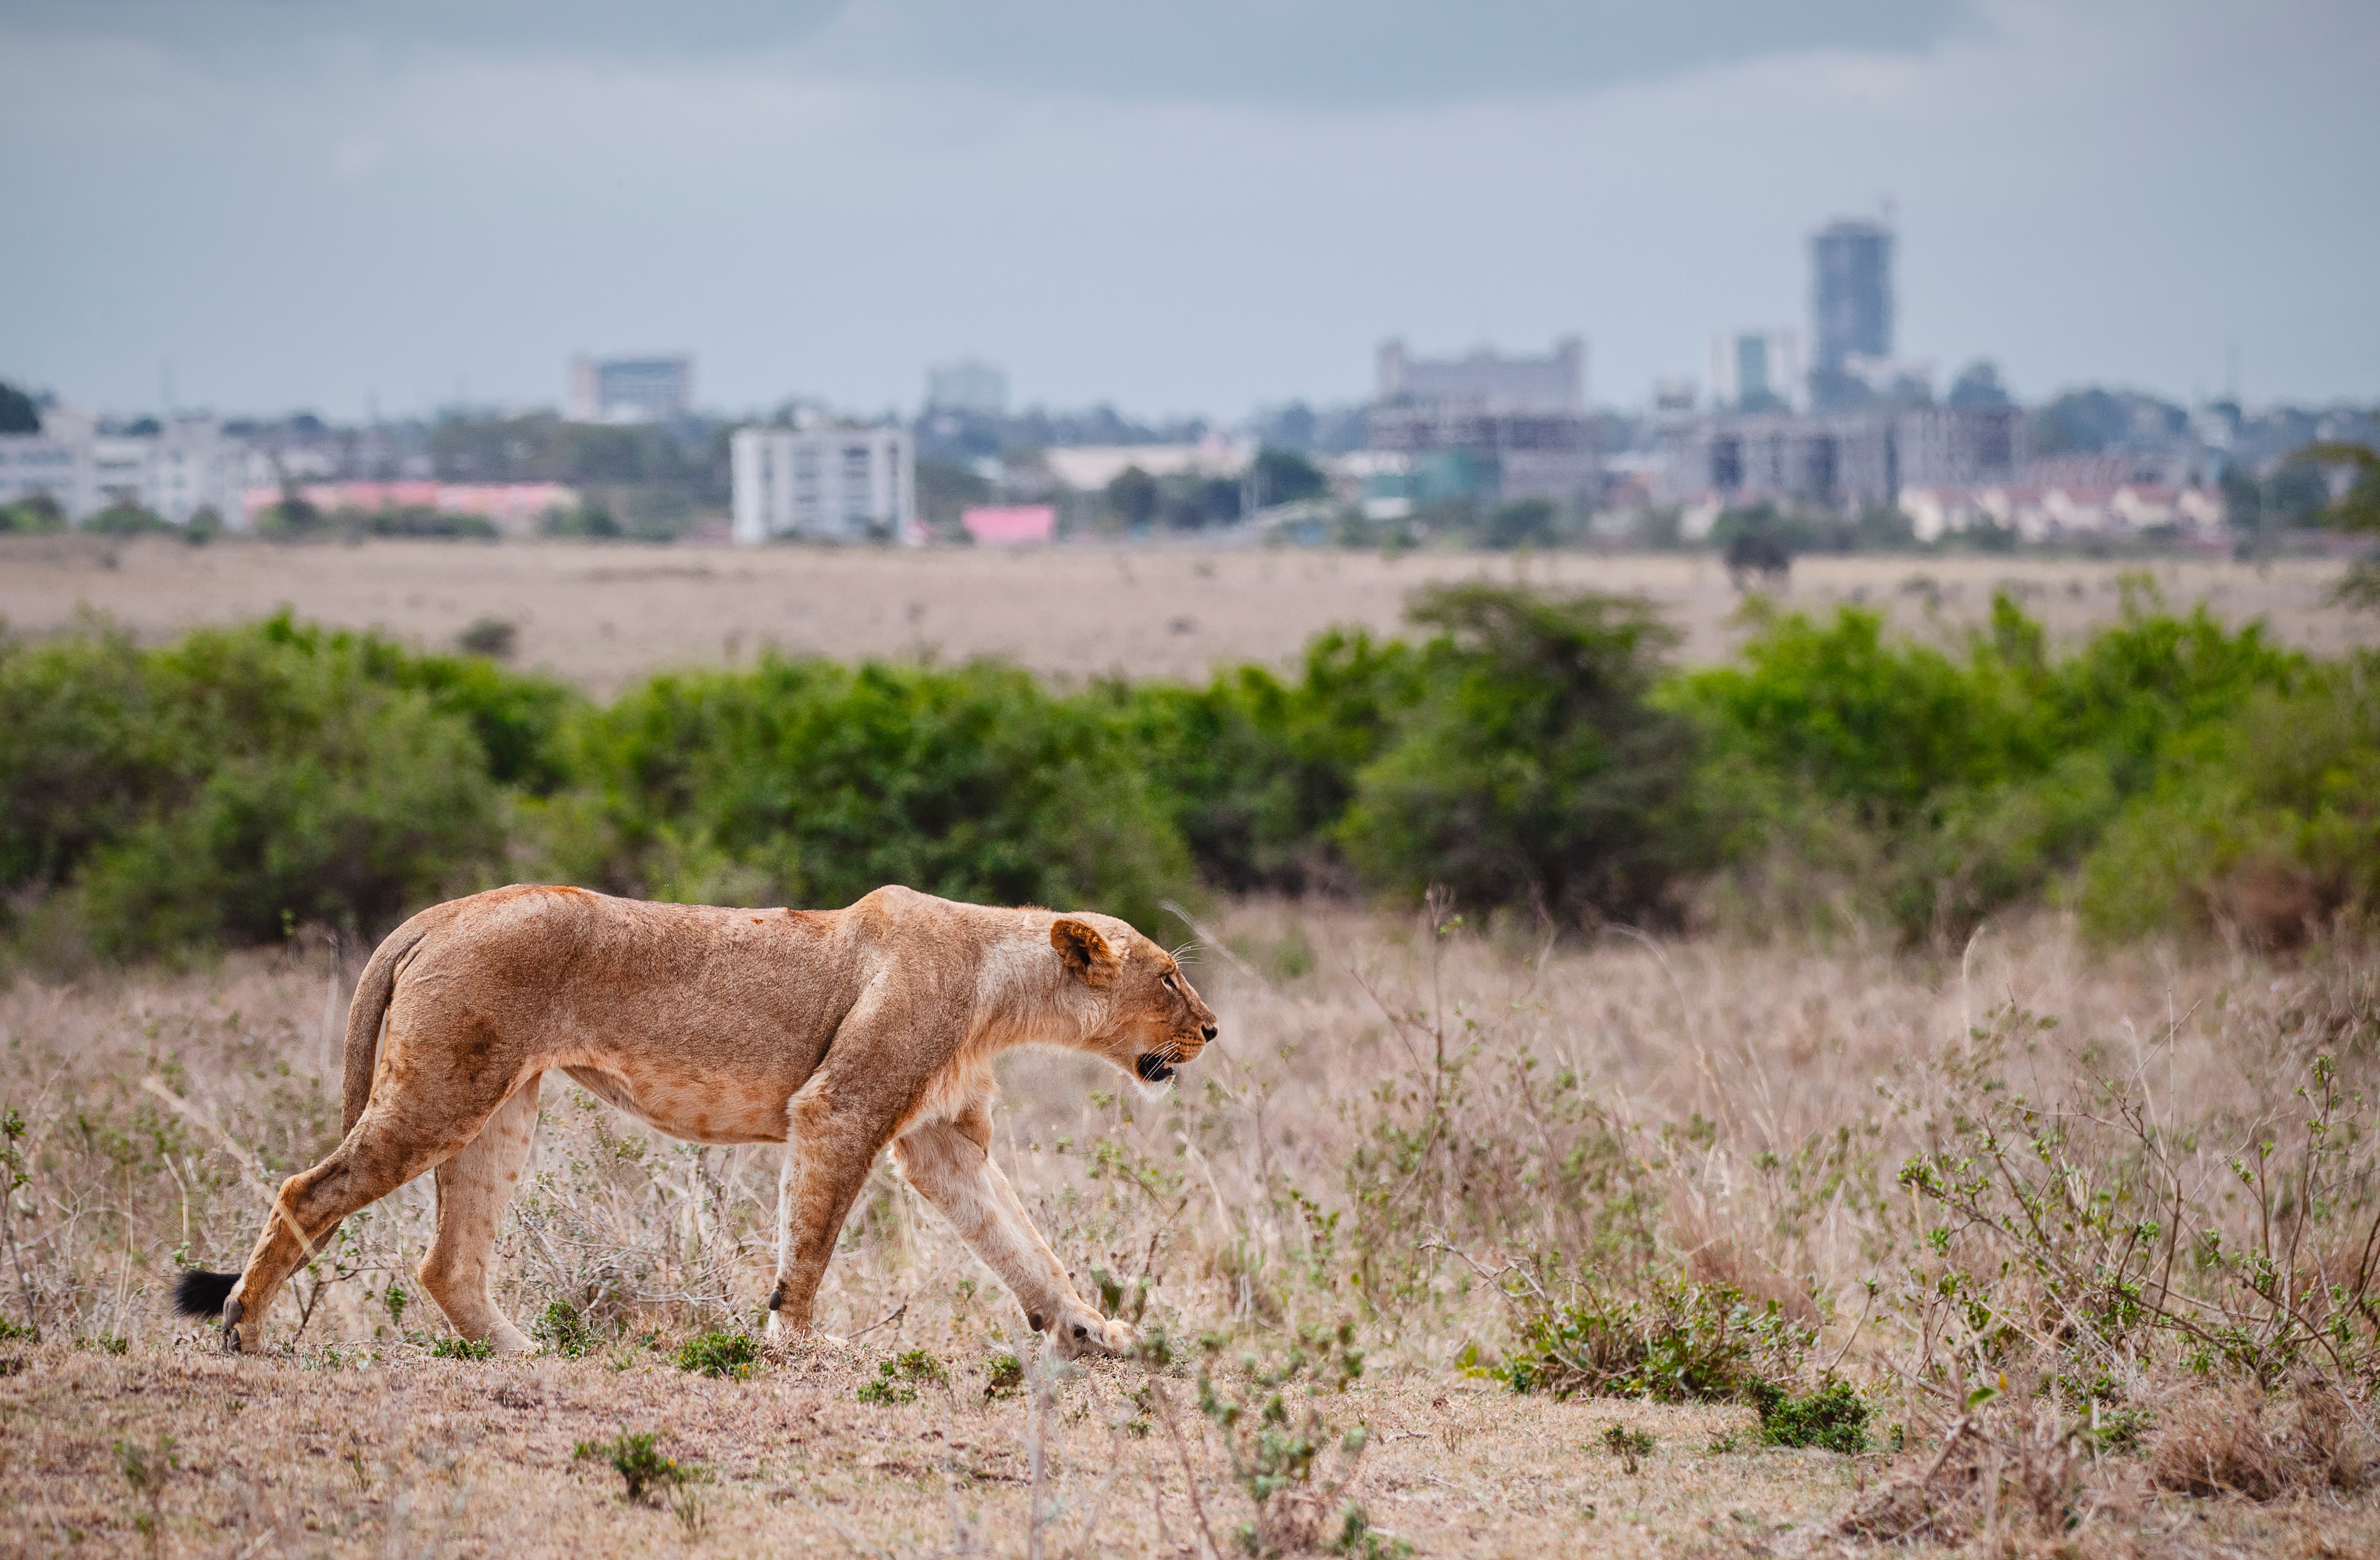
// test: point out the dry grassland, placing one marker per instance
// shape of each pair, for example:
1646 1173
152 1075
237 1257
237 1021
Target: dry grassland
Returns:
605 614
1747 1105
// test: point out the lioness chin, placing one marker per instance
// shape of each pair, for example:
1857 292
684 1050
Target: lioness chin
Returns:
832 1032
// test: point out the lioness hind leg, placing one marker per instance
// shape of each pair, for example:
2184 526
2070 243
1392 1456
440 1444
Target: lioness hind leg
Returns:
950 1166
369 1163
473 1189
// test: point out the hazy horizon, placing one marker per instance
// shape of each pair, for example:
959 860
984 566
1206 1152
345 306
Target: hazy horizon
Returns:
315 204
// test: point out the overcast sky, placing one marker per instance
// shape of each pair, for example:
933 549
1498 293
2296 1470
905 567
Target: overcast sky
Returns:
1179 208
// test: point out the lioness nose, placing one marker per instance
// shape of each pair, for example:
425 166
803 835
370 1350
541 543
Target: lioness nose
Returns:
1207 1030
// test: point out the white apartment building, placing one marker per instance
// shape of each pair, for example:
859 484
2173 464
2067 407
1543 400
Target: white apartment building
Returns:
824 483
186 467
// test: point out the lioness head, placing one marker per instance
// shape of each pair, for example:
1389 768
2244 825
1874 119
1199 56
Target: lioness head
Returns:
1155 1021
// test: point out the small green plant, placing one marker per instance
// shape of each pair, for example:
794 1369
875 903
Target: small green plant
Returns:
459 1348
1833 1418
108 1343
1004 1377
717 1353
146 1469
563 1329
1630 1446
396 1299
897 1378
1279 1460
1680 1343
11 1332
643 1467
1724 1443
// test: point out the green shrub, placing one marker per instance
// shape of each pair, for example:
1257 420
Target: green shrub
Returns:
1630 1446
822 782
2267 825
1679 1343
1256 772
716 1352
897 1378
563 1329
128 520
643 1466
1536 770
221 789
38 515
1974 782
1004 1377
1833 1418
457 1347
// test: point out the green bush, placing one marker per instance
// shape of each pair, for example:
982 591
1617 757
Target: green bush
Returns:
1256 772
1971 782
563 1329
221 789
1676 1342
2266 826
1536 770
643 1467
716 1352
810 782
897 1378
1833 1418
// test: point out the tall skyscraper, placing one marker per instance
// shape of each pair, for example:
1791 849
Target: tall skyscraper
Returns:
1851 292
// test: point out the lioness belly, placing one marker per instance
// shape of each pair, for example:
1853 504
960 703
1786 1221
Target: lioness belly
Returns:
720 1111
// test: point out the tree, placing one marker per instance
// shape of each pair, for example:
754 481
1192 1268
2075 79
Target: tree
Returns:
2358 509
1537 769
1978 384
1132 497
1286 476
17 412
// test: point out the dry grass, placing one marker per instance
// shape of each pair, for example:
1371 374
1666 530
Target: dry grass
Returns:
1764 1095
603 615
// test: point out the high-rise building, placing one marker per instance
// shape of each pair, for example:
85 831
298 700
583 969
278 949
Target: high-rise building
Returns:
824 483
967 386
656 388
1851 294
1757 370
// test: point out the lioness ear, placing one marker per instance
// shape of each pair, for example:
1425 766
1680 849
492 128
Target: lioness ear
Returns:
1085 952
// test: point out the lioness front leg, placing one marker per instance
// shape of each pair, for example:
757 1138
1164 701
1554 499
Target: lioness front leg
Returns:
949 1164
827 1155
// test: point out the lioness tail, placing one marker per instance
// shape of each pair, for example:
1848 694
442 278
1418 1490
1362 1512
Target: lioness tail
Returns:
374 988
197 1293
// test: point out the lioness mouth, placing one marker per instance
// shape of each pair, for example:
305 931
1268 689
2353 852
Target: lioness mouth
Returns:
1153 1069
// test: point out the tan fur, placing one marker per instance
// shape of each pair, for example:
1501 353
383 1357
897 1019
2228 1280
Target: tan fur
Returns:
832 1032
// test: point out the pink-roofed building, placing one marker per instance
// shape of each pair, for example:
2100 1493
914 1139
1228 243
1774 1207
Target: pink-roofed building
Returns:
1011 526
514 508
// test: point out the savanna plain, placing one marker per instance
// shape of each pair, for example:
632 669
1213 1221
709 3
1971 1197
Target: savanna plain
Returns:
1758 1223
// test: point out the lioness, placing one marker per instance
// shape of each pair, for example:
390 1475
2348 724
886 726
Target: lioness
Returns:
832 1032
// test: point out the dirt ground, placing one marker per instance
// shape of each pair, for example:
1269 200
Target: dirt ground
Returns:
327 1455
604 614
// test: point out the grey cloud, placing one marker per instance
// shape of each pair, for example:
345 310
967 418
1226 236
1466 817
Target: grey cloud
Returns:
1315 54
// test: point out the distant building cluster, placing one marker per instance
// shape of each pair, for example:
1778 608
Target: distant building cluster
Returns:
175 469
1493 445
1482 428
658 387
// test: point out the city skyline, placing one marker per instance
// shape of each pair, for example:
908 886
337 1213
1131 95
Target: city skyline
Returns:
1164 241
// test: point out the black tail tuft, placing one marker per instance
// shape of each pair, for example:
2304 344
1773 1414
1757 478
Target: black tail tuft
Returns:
202 1294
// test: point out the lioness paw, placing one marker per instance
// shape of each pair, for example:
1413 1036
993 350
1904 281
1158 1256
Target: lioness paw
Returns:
1081 1332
